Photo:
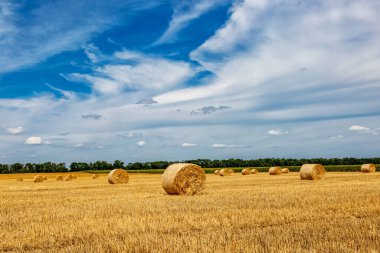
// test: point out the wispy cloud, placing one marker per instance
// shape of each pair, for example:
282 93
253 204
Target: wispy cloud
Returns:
226 146
141 143
188 145
208 109
184 13
362 129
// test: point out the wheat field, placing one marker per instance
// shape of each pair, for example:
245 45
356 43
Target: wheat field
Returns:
255 213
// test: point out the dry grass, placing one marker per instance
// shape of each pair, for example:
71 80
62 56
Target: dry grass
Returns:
338 214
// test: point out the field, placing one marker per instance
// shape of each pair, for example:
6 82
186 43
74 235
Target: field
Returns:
255 213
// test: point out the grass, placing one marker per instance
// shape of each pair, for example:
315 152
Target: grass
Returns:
255 213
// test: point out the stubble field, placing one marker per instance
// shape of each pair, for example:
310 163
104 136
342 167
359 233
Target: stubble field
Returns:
254 213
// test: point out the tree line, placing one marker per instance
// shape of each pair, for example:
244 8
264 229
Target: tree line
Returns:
205 163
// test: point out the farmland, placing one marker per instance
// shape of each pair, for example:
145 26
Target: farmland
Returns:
254 213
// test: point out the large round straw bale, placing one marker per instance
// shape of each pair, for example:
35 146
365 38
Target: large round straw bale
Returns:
216 172
246 172
95 176
19 179
118 176
225 172
275 170
312 172
59 178
285 170
38 179
183 178
69 178
254 171
368 168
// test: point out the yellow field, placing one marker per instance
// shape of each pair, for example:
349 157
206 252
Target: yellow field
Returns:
255 213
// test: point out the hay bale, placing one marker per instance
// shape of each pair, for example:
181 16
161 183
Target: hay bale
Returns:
95 176
246 172
183 178
254 171
312 172
19 179
38 179
275 170
285 170
368 168
216 172
225 172
118 176
59 178
69 178
232 171
45 178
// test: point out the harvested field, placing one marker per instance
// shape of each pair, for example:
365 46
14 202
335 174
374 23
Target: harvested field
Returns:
338 214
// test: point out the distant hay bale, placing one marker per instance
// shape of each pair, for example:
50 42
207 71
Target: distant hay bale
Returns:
59 178
246 172
95 176
285 170
69 178
38 179
19 179
275 170
216 172
183 178
45 177
254 171
312 172
118 176
232 171
368 168
225 172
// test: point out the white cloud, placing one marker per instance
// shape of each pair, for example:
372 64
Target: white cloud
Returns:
141 143
276 132
337 137
226 146
92 52
359 128
34 140
181 18
15 130
186 145
147 73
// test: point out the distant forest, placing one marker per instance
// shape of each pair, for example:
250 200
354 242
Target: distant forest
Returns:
205 163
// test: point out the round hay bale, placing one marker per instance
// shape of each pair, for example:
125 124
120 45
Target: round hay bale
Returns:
95 176
38 179
225 172
232 171
69 178
19 179
368 168
246 172
118 176
59 178
312 172
275 170
254 171
45 178
183 178
216 172
285 170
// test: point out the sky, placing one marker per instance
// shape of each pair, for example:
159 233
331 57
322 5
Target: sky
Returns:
147 80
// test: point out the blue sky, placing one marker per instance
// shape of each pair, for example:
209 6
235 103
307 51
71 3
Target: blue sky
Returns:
143 80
